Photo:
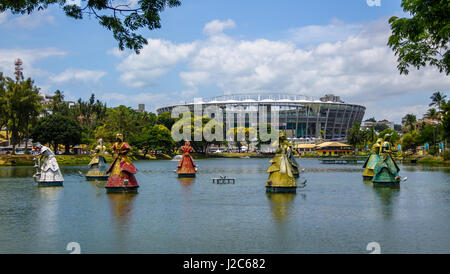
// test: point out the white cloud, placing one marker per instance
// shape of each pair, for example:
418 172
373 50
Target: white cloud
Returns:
3 17
29 57
155 60
217 26
84 75
151 100
359 67
117 52
337 30
27 21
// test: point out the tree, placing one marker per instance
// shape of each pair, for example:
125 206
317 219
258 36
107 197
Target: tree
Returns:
157 138
20 105
380 127
371 120
56 129
121 18
166 120
409 141
243 134
394 135
437 99
355 135
432 114
424 38
410 121
446 120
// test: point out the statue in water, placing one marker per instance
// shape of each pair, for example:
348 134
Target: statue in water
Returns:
186 166
48 173
386 169
97 166
282 171
121 170
372 160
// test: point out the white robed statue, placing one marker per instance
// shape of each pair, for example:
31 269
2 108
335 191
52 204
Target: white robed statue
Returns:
48 173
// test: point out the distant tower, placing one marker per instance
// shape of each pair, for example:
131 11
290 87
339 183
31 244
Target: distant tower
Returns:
141 107
18 70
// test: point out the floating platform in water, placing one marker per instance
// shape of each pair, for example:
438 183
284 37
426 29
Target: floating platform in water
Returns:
279 189
223 180
387 184
97 178
122 189
50 184
186 175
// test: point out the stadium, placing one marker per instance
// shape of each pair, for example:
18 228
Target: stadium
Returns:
300 116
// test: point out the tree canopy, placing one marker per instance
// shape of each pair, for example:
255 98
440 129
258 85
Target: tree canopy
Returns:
120 17
424 38
56 129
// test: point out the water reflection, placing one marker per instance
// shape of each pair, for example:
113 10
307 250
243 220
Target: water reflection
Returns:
281 204
47 213
98 185
186 182
388 197
17 172
122 205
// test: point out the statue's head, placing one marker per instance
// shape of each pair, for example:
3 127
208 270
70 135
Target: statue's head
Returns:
380 140
187 143
119 137
100 141
37 146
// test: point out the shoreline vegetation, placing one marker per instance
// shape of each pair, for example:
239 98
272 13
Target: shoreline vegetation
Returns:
73 160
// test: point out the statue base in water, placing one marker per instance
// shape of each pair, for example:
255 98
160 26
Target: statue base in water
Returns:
186 175
101 178
367 178
387 184
122 189
50 184
280 189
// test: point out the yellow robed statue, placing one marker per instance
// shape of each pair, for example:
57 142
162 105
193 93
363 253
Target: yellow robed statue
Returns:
97 165
282 177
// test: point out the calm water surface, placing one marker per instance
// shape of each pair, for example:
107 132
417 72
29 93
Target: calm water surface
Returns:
336 213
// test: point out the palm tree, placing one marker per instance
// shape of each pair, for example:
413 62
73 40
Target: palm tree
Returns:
410 120
438 99
432 114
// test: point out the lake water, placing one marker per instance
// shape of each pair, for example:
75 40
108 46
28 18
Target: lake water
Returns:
336 213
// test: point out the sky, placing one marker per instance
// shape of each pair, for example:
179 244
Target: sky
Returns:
208 48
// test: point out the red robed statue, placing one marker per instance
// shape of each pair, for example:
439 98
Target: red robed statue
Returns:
186 166
122 169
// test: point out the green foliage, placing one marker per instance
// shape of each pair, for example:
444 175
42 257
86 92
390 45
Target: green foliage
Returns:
56 129
394 135
446 155
446 120
381 127
438 100
123 20
424 38
157 138
166 120
409 141
355 135
410 122
20 106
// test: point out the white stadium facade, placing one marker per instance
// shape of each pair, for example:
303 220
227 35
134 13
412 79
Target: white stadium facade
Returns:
298 115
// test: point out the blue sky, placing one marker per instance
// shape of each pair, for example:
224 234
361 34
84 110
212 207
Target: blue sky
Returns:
213 47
